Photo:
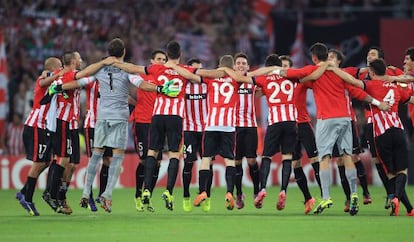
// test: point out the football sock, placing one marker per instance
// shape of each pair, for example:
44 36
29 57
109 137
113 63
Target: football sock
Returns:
103 178
264 171
150 164
238 179
286 171
344 182
404 199
50 176
63 188
384 178
31 183
203 179
91 170
187 169
254 174
315 166
113 174
230 175
351 176
362 177
400 181
302 182
139 179
24 188
155 176
172 174
209 181
325 183
56 181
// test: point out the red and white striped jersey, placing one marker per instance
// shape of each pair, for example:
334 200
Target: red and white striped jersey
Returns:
68 109
92 93
195 107
279 93
245 108
145 103
14 141
166 105
222 101
299 97
393 95
355 72
37 117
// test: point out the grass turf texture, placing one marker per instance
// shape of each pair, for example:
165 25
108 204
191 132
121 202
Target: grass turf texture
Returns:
372 223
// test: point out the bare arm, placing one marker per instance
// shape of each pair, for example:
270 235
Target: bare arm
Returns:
149 87
347 77
92 68
70 85
411 100
236 76
263 71
401 78
216 73
184 72
130 68
46 81
316 73
383 106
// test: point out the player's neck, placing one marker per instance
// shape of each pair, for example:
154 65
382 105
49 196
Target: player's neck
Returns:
175 61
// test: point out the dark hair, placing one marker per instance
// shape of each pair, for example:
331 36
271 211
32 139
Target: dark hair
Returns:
116 47
241 55
410 52
378 66
339 55
379 50
320 51
286 58
193 60
227 61
67 57
155 52
173 50
273 60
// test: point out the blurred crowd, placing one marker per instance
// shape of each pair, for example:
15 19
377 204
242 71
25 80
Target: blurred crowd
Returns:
37 29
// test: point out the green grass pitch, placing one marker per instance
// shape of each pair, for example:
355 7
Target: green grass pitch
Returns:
372 223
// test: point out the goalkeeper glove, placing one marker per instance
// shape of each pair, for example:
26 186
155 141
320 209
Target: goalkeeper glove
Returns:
54 88
169 89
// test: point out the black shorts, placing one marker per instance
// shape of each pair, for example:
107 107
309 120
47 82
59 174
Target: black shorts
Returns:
193 143
89 135
62 139
166 126
392 150
280 137
38 144
141 140
75 156
306 138
369 136
356 147
246 142
219 143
